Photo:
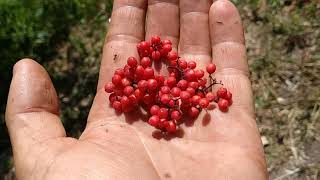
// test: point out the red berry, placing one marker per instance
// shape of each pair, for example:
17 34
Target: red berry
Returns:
167 48
182 84
222 92
191 91
165 89
194 85
162 123
139 71
145 62
165 99
166 41
145 45
171 103
175 92
176 115
163 113
171 127
143 85
156 55
183 64
160 79
204 103
185 96
193 112
132 62
109 87
154 121
112 97
190 75
119 72
211 68
228 96
210 97
117 106
148 73
125 101
133 99
195 100
154 110
125 82
128 90
171 81
192 64
172 56
138 93
223 105
203 82
116 79
155 40
152 84
147 99
199 73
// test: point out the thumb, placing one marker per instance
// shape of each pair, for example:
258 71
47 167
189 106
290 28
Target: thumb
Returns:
32 114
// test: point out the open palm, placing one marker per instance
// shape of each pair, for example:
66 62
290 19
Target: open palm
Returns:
215 146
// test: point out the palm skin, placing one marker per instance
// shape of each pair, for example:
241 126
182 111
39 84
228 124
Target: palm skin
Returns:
215 146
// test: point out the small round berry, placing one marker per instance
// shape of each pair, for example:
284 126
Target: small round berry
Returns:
165 89
144 45
154 110
167 48
125 82
166 41
195 100
171 103
223 105
199 73
173 63
143 85
190 75
139 71
145 62
109 87
117 106
152 84
154 121
194 85
176 115
160 79
193 112
132 62
155 40
183 64
172 56
125 101
147 99
192 64
191 91
165 99
119 72
163 113
182 84
211 68
139 94
148 73
116 80
133 99
185 96
156 55
162 123
210 97
203 103
228 96
112 97
175 92
171 81
128 90
171 127
203 82
201 94
222 92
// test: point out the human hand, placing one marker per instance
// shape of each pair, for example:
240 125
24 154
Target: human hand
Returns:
217 146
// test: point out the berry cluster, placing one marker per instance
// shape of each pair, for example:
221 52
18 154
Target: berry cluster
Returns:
183 93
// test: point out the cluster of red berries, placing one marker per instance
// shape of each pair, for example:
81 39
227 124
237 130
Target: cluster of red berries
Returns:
183 93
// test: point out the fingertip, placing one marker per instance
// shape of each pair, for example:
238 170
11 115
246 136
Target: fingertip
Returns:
225 23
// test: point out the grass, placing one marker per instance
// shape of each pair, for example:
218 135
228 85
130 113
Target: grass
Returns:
283 40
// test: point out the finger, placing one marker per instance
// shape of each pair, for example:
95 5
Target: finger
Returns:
229 52
126 29
194 31
32 114
163 20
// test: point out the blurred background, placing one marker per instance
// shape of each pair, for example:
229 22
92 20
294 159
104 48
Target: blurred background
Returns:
283 40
